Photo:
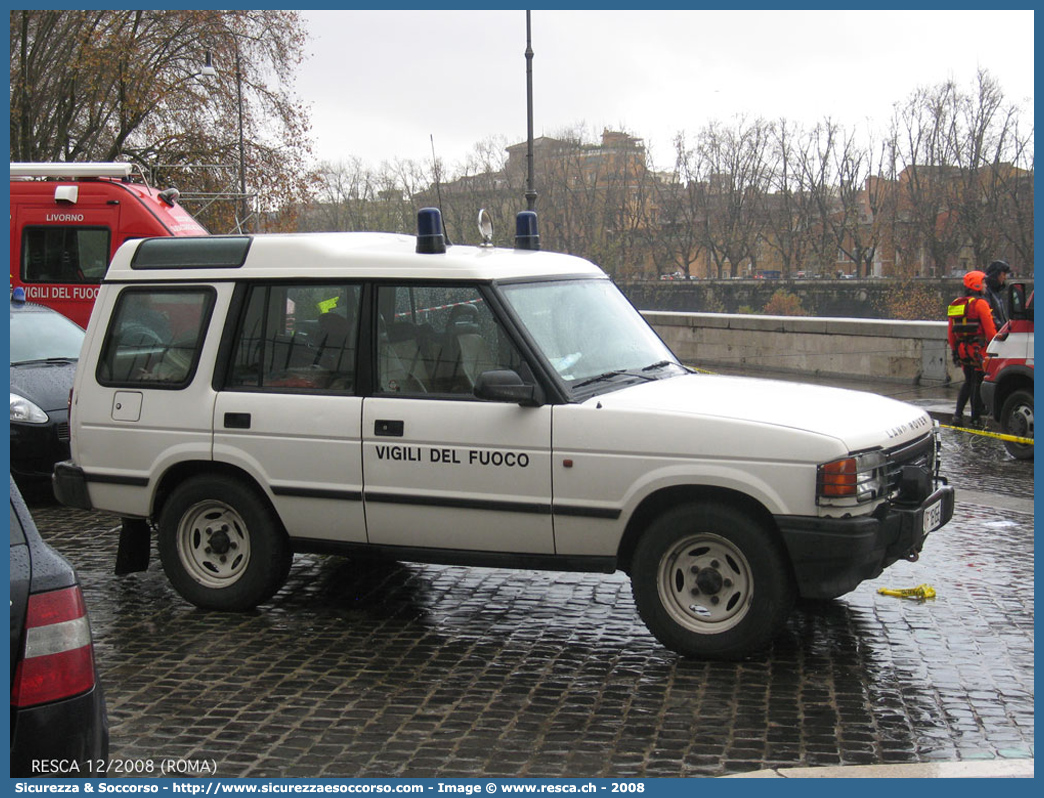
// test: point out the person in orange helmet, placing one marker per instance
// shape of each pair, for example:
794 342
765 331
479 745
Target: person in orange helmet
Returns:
971 328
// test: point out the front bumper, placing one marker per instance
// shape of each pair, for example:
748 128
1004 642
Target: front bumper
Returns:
35 448
987 391
831 556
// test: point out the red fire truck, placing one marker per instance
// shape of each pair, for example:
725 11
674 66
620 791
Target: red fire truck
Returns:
1007 389
67 221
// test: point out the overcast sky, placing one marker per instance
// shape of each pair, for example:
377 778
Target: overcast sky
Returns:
381 84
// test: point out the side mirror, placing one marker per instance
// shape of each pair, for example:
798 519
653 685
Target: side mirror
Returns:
505 385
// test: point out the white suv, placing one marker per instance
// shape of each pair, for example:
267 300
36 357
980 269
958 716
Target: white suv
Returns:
360 393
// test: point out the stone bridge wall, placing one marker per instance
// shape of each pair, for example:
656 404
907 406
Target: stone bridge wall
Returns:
913 352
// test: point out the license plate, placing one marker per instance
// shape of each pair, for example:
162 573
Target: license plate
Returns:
932 517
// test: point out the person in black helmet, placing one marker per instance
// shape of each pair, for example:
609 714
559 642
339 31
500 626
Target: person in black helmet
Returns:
996 276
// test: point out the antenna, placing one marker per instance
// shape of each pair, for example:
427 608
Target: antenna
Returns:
438 182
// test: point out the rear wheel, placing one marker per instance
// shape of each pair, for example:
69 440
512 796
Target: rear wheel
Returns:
220 545
710 582
1017 419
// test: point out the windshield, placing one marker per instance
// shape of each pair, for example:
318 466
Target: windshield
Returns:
43 335
589 331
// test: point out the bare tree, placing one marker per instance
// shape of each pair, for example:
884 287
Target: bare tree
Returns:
1013 209
482 181
404 186
984 146
493 188
676 230
858 225
569 200
738 171
344 197
789 210
927 208
962 197
820 184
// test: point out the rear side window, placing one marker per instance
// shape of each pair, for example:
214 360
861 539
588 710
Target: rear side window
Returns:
437 339
297 337
65 254
155 337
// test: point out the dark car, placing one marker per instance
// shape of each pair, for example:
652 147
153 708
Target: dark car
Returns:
44 349
59 726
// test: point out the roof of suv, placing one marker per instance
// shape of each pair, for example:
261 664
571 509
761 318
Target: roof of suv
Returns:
353 255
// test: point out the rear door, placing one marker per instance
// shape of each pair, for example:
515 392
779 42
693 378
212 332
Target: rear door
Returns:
287 412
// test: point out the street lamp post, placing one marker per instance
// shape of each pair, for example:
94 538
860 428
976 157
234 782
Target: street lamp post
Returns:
242 208
531 194
242 159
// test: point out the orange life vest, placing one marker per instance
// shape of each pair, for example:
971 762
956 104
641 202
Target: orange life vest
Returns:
967 331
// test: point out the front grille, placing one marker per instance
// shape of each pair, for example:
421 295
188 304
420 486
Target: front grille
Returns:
921 453
63 432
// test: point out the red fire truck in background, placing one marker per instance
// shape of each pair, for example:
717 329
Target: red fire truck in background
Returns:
1007 388
67 221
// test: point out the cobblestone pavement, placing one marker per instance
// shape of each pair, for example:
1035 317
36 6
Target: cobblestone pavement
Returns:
385 670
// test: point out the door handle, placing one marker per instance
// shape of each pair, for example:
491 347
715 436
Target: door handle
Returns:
237 421
384 428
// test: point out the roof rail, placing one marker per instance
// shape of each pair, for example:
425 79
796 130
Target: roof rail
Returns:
72 169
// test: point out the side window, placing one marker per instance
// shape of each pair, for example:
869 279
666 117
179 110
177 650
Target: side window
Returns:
65 254
437 340
297 337
155 337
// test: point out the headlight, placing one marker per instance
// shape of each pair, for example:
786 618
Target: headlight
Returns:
24 411
851 480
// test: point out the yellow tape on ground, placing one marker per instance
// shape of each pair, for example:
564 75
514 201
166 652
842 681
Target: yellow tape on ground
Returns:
998 435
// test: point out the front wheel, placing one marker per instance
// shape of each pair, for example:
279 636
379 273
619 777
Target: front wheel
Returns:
220 544
1017 419
710 582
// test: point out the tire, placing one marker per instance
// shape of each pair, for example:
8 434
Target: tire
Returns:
744 589
1017 419
220 544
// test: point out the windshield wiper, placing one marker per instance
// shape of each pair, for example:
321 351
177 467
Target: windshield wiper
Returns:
611 374
660 365
54 360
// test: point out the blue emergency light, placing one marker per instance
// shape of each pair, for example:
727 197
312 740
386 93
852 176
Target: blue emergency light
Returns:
430 239
526 235
18 295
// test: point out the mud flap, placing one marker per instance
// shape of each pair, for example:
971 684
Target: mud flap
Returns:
135 544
